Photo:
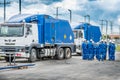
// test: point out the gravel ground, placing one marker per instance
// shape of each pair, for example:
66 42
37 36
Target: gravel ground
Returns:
71 69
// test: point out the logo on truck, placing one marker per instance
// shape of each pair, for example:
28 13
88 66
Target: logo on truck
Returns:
9 42
65 36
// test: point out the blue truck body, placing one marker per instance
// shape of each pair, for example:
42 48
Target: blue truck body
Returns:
49 28
88 32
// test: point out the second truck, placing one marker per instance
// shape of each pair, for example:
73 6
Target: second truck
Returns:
85 31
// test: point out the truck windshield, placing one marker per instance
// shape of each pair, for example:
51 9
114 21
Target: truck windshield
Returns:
78 34
75 34
11 31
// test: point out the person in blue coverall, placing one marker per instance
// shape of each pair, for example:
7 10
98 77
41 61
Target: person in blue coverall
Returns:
90 50
101 51
84 50
105 50
111 51
96 50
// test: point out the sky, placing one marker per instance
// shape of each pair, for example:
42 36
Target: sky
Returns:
97 9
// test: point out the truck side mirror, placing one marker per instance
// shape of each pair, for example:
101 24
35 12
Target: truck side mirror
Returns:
28 31
26 34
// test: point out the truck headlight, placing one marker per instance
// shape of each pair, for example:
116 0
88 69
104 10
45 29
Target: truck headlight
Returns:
22 50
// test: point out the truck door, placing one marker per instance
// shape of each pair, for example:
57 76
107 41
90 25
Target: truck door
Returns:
53 32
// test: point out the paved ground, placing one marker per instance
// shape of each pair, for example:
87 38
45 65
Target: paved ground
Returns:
72 69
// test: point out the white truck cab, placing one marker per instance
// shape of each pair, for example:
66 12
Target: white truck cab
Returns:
15 38
78 38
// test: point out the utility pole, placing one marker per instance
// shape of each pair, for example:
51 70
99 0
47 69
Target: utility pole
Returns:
4 4
57 12
4 10
111 26
19 6
106 29
102 21
70 15
87 17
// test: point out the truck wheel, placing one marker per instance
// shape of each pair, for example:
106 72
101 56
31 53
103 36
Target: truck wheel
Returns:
68 53
60 54
7 59
38 54
33 55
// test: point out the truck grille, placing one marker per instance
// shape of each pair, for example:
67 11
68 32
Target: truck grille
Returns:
9 49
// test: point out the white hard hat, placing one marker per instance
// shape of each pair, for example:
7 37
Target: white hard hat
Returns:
84 39
101 40
105 40
110 41
91 40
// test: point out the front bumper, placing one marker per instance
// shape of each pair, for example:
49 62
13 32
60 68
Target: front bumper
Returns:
18 51
17 54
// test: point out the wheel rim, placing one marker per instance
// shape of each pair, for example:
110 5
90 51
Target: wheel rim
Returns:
61 54
68 53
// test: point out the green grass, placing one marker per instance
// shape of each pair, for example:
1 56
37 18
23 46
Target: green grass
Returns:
118 48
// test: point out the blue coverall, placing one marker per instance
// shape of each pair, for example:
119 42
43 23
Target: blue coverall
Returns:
96 51
84 51
91 51
111 51
105 50
101 51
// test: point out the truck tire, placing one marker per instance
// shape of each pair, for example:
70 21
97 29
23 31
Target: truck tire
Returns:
68 53
7 59
60 54
33 55
38 54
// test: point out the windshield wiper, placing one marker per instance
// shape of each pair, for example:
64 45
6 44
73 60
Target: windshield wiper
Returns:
13 35
10 35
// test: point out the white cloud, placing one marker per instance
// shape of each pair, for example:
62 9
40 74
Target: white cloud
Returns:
109 5
79 6
67 4
31 1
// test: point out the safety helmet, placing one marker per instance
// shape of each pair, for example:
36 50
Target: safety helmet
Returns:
105 40
110 41
84 40
101 40
91 40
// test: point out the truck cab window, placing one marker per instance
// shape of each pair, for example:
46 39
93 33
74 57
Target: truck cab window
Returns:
75 34
80 34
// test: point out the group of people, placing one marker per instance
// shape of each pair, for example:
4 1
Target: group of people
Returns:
90 50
